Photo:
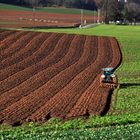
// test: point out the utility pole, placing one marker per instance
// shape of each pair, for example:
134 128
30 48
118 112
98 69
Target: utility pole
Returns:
99 11
106 12
82 17
34 6
33 17
125 2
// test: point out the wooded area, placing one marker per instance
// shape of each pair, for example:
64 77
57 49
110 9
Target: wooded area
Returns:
85 4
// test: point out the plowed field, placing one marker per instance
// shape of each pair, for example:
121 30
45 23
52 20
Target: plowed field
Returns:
18 19
44 75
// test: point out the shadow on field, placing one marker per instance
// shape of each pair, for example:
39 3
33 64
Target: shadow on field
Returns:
126 85
108 103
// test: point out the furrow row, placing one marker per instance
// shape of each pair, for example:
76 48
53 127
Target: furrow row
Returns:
22 76
63 101
17 45
44 50
5 34
10 39
88 101
42 77
61 97
53 86
33 45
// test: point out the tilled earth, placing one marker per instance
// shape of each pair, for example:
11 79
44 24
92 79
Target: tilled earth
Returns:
45 75
19 19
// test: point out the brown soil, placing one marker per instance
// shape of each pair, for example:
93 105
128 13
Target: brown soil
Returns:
15 19
44 75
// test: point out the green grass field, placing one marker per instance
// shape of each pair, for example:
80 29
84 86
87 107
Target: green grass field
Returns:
59 10
129 132
126 102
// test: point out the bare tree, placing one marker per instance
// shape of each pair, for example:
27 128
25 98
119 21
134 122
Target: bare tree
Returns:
109 9
133 12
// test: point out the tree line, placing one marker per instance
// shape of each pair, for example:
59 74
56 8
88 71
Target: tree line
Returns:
85 4
112 10
120 10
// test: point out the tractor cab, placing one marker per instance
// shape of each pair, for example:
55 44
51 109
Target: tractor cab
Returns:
108 79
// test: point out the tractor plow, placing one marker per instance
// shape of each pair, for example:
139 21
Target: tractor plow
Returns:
108 79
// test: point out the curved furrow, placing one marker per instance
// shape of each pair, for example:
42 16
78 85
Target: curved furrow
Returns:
17 45
58 102
94 104
95 100
93 95
105 62
63 101
5 34
107 92
54 57
72 50
41 78
31 47
52 87
7 42
98 100
90 76
60 96
36 60
117 58
79 110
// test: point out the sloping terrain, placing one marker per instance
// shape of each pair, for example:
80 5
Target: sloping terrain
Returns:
44 75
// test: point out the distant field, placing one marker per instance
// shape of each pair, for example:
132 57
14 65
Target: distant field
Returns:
60 10
20 17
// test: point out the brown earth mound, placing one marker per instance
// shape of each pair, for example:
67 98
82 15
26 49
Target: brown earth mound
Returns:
44 75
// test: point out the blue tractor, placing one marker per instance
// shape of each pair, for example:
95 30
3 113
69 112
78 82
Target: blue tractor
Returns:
108 79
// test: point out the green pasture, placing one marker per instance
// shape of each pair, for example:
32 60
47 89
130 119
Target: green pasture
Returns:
124 120
5 22
13 7
59 10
